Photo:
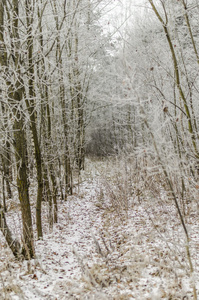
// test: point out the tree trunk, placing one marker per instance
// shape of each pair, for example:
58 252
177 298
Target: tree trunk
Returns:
12 243
22 181
31 109
15 95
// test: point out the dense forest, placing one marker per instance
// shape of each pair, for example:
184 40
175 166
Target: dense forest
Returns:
108 86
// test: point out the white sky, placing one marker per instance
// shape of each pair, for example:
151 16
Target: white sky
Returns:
121 13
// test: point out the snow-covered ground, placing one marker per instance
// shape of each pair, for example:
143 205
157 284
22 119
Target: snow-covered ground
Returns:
104 247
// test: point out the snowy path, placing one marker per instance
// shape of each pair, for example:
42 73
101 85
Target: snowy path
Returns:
57 269
71 237
141 257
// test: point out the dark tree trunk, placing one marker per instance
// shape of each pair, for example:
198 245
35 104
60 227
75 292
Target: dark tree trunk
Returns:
12 243
22 183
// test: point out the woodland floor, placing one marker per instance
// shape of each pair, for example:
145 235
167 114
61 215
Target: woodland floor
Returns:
104 246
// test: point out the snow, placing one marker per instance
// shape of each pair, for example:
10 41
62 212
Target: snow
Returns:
94 252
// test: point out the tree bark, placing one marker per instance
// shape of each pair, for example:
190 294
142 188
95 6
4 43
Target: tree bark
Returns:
15 95
12 243
31 109
22 181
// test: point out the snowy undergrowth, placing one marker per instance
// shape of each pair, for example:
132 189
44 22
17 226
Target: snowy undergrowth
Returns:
109 243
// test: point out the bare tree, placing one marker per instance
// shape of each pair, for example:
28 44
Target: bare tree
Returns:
15 95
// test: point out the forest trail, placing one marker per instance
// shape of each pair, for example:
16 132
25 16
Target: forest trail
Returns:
58 265
98 250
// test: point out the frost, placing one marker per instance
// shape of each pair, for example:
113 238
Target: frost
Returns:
100 254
